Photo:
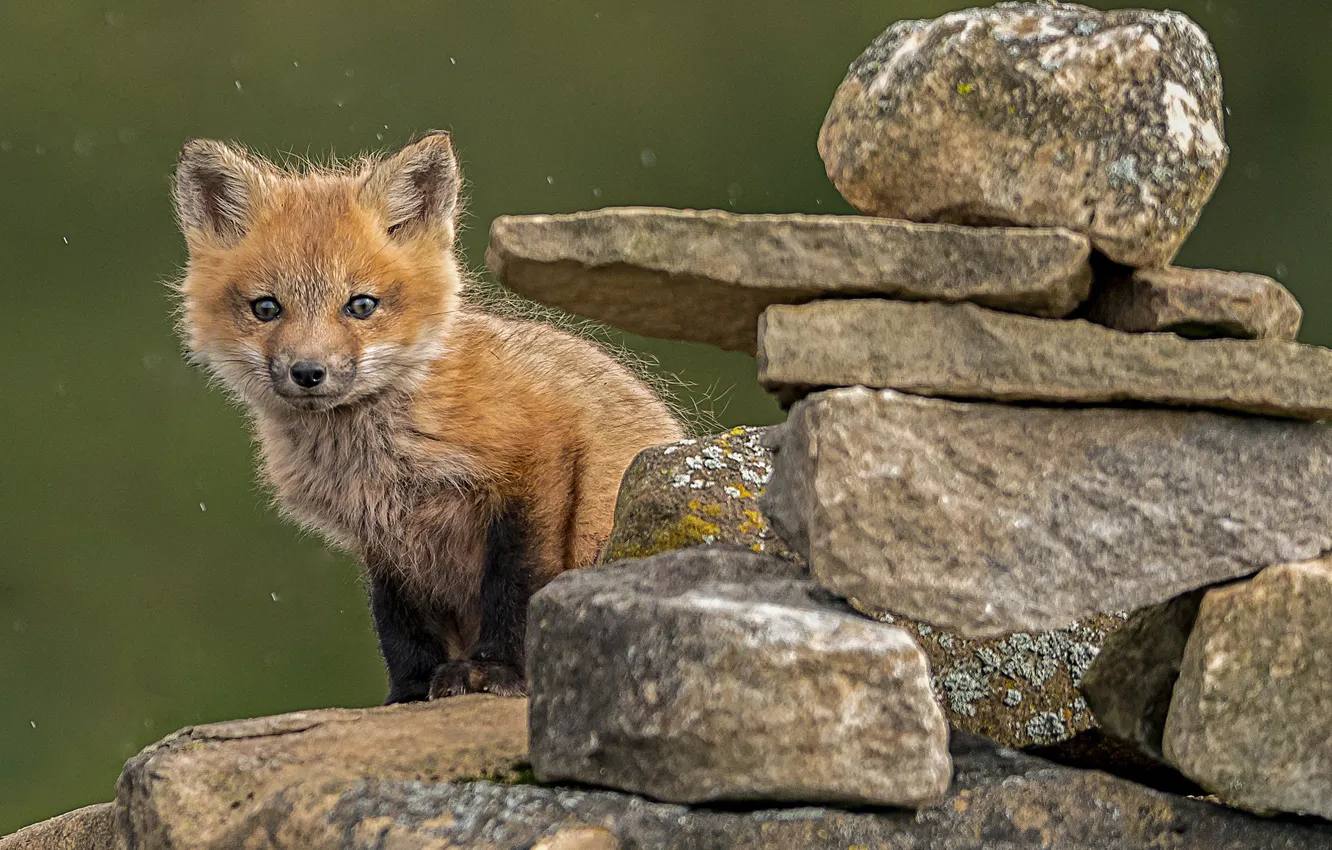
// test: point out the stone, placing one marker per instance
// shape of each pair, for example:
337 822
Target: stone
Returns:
1250 719
706 276
964 351
714 674
1131 681
88 828
1019 690
998 799
579 838
695 492
989 519
1197 303
1042 114
278 781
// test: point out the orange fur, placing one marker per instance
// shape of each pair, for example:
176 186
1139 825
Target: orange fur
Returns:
433 415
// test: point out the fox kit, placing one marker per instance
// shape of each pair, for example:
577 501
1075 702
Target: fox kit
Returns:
467 459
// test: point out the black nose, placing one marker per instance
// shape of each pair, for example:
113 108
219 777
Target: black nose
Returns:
307 374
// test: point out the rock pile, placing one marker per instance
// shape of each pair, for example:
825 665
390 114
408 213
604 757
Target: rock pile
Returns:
1036 489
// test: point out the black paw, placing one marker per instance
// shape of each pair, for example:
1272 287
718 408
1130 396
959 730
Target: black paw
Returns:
455 678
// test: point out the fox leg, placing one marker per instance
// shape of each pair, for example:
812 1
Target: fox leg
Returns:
408 640
496 663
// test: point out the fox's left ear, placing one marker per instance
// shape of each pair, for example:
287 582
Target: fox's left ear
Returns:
417 188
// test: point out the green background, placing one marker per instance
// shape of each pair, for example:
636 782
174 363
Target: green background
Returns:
144 582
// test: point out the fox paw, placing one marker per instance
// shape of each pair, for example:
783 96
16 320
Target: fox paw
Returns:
455 678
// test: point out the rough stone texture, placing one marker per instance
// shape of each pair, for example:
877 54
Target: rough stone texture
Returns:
1251 717
713 674
1000 800
1108 123
89 828
579 838
1198 303
965 351
693 493
706 276
1021 690
1049 515
279 781
1130 683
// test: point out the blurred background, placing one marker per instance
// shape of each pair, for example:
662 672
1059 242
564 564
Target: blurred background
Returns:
144 583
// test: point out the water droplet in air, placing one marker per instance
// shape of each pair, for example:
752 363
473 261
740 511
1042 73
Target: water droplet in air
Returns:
648 157
203 507
596 192
550 180
276 598
238 85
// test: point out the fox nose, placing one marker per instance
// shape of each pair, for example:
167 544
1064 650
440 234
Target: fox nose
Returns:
308 375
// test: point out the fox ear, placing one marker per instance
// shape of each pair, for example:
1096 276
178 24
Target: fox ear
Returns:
214 191
417 187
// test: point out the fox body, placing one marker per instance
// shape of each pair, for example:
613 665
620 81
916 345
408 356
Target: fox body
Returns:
466 458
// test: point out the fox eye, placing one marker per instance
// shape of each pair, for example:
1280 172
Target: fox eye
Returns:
266 309
361 306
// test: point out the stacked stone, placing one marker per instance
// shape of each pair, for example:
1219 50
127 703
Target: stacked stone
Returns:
1013 426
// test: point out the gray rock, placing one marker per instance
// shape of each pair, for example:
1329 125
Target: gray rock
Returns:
1000 800
1019 690
713 674
1251 717
1198 303
965 351
1109 123
446 780
695 492
1045 515
705 276
1131 681
88 828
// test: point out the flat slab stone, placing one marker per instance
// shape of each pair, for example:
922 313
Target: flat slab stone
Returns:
1109 123
1197 303
88 828
988 519
712 674
417 798
706 276
965 351
1249 720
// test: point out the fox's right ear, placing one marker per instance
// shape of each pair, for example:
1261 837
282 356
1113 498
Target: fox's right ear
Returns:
214 191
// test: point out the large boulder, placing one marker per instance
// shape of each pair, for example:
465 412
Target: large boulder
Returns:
1251 715
1045 114
1198 303
965 351
1045 515
713 674
705 276
88 828
1019 690
696 492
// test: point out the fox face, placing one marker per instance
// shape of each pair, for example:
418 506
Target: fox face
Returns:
306 291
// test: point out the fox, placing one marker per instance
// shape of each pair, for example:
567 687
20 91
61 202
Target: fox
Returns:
465 457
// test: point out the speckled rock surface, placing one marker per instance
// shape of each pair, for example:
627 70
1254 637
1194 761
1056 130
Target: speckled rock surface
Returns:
1198 303
965 351
1109 123
578 837
714 674
1251 716
88 828
695 492
1000 800
278 781
1020 690
1131 681
705 276
1049 515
